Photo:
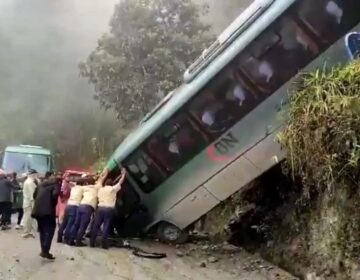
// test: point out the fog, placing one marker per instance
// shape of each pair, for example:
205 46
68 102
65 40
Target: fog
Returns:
43 99
41 44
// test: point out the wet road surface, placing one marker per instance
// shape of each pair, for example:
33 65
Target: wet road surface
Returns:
19 259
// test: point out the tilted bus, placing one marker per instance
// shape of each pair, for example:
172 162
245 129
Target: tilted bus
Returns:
216 133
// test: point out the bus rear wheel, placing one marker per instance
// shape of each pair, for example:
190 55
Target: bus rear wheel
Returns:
169 233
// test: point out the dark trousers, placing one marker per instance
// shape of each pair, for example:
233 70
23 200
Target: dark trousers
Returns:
82 221
67 223
47 226
5 212
104 217
20 212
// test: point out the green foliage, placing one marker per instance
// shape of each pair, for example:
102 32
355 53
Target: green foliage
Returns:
143 58
322 138
322 135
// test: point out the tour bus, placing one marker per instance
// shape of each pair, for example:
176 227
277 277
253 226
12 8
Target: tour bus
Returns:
21 158
216 133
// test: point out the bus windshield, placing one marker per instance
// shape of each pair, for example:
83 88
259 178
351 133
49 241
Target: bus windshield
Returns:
22 162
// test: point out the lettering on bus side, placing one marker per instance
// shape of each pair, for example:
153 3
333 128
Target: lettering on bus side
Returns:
221 149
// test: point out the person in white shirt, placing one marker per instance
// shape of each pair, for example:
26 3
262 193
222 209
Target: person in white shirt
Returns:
85 210
76 195
29 187
106 209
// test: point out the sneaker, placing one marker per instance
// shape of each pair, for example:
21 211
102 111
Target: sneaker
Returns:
18 227
5 227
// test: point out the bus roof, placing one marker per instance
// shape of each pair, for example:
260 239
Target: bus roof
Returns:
27 149
149 125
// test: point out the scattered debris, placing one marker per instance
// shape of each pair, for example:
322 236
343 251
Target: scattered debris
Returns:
202 264
213 260
312 276
179 254
205 247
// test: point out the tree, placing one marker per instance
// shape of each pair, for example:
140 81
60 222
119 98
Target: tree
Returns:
151 42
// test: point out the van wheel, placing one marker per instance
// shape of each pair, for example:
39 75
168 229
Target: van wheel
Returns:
169 233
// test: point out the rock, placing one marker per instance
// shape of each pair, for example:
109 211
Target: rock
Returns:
205 247
213 260
312 276
270 243
202 264
72 259
180 254
230 248
17 260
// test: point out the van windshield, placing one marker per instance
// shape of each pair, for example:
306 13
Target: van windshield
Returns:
20 163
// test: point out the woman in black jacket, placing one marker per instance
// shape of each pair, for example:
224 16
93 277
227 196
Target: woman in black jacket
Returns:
44 211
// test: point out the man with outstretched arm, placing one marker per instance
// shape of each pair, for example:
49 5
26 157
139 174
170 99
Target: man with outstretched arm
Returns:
106 209
86 209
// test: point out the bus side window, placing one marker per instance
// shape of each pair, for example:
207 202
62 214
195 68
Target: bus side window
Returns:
144 171
176 143
283 60
224 102
329 19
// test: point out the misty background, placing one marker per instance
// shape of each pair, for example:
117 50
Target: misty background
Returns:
43 99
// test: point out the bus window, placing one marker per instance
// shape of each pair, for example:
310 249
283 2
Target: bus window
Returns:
223 103
144 171
329 19
177 142
283 60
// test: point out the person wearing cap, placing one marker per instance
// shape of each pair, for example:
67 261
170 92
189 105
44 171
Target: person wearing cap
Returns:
76 194
106 209
86 210
29 187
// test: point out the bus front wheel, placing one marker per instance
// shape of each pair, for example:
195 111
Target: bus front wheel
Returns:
169 233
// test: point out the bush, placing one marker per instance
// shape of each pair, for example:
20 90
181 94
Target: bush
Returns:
322 135
322 138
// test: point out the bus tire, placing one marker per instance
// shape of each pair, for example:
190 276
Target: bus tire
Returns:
169 233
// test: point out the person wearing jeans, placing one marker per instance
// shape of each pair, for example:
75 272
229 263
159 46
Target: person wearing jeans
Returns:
85 211
44 211
106 210
64 232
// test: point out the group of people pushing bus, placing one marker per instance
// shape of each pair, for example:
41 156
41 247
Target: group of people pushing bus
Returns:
90 200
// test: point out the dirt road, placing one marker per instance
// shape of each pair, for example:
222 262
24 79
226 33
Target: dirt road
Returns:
19 260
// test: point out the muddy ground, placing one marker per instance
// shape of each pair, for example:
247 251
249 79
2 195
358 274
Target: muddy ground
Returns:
19 259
